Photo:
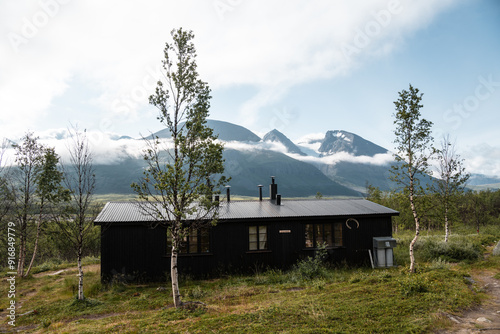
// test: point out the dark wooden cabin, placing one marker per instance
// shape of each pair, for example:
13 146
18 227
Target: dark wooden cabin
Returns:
249 235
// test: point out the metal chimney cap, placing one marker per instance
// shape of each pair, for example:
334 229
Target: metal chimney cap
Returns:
260 186
228 186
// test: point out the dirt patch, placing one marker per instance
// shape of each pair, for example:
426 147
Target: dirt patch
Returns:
484 318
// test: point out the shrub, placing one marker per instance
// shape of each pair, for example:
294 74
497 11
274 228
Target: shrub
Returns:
439 264
311 267
455 250
197 292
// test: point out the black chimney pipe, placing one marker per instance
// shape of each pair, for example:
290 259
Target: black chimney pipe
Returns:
273 189
278 199
260 192
217 199
228 192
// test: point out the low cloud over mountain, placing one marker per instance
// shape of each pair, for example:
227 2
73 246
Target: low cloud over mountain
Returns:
337 163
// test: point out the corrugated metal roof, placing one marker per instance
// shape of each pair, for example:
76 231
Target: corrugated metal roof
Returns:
131 211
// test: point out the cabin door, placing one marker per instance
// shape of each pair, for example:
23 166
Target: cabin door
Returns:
285 246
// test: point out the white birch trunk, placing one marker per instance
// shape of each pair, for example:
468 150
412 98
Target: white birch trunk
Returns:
417 228
80 276
22 255
446 224
174 275
38 229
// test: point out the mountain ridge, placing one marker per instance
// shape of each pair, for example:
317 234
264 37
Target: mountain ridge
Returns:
278 137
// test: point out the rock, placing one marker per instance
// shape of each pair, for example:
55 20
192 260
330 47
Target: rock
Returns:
483 319
454 319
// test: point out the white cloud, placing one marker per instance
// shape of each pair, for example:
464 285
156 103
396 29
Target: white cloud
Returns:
105 147
114 48
377 159
483 159
255 146
309 138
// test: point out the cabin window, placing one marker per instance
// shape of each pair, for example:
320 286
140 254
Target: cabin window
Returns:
195 242
329 234
257 237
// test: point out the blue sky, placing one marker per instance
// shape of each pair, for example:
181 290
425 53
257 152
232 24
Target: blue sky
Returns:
300 67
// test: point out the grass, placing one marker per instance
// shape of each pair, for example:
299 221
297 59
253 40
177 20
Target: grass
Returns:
339 300
57 264
308 299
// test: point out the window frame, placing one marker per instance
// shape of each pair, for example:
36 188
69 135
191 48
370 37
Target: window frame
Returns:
192 244
316 233
258 241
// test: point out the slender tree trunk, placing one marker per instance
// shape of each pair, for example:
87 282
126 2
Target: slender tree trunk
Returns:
38 229
80 274
79 255
412 243
417 229
38 232
22 249
22 252
446 224
174 274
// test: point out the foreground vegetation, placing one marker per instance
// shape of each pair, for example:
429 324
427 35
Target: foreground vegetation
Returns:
310 298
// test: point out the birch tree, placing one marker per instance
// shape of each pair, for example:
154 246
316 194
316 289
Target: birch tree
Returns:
413 151
79 178
49 191
29 163
451 182
185 171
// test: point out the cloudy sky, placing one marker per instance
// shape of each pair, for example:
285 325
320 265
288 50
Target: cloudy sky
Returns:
299 66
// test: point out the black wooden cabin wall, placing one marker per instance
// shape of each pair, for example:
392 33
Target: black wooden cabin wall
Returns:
139 252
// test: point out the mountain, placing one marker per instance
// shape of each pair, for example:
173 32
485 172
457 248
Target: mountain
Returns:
343 141
225 130
247 170
339 163
295 178
357 176
277 137
480 182
116 178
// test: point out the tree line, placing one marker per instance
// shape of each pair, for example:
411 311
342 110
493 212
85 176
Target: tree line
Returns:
50 202
473 210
